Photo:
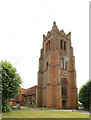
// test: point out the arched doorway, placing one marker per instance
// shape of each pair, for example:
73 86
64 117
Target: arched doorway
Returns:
63 104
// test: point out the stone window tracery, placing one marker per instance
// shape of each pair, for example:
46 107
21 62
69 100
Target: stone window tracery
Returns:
63 64
63 44
64 88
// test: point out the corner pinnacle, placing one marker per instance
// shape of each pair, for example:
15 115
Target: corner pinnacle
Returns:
54 23
54 28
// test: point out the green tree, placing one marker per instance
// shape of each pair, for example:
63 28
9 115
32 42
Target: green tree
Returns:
85 95
11 82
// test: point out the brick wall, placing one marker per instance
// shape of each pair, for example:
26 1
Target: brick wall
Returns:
51 74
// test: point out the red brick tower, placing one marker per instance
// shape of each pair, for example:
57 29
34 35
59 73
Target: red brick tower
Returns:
57 76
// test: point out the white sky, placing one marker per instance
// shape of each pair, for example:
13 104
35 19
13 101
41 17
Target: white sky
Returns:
23 23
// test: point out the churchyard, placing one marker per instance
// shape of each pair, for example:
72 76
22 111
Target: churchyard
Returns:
35 112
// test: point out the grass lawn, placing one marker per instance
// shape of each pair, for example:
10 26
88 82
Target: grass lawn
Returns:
44 114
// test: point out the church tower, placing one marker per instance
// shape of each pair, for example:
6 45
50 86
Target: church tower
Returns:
57 76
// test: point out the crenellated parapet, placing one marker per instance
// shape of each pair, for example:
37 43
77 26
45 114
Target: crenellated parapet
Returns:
55 29
62 32
47 36
68 36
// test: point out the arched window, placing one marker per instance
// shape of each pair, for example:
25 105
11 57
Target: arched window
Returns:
61 44
65 65
47 66
64 88
64 45
62 63
47 46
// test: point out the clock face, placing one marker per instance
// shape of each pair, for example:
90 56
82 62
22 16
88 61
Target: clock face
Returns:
64 73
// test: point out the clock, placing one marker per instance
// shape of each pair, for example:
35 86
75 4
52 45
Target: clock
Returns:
64 73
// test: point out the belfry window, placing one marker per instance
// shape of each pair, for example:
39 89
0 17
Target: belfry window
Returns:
64 45
61 44
64 88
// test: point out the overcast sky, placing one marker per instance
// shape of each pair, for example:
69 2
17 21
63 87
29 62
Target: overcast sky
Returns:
23 23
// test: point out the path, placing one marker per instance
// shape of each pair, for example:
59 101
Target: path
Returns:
81 111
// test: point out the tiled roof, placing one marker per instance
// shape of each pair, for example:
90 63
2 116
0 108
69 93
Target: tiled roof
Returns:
31 91
23 91
28 91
